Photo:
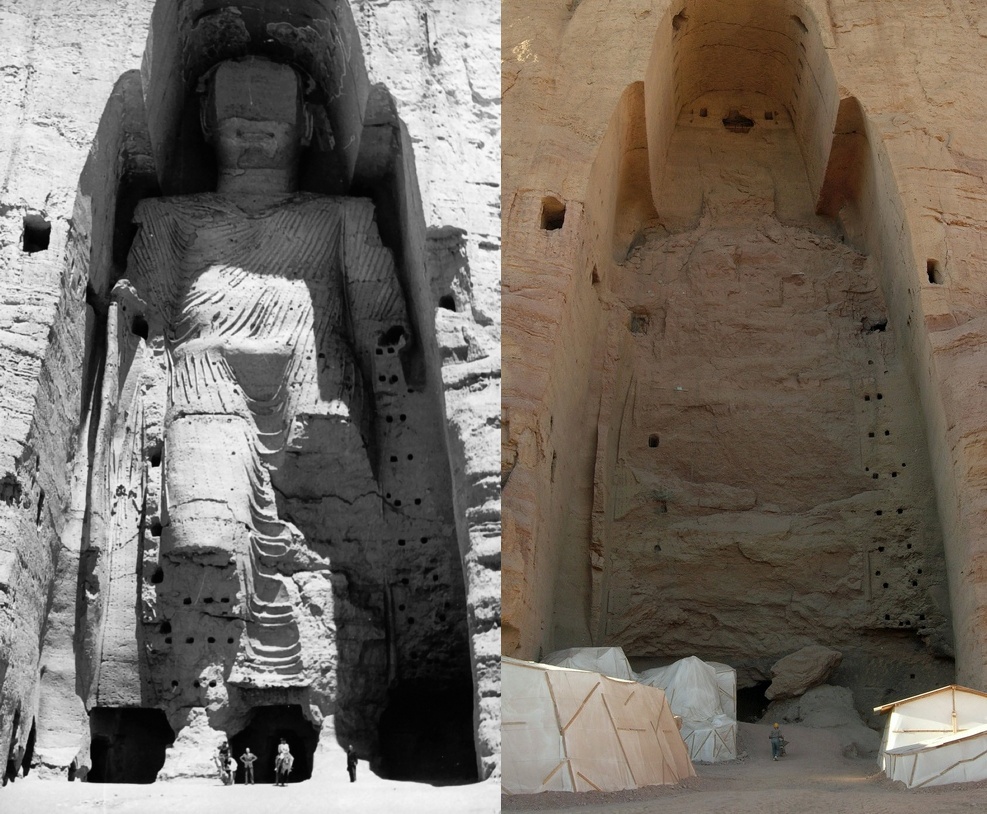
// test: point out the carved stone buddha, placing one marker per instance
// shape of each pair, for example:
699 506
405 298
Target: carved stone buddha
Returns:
241 341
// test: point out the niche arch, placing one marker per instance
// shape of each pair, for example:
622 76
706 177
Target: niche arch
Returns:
705 59
400 612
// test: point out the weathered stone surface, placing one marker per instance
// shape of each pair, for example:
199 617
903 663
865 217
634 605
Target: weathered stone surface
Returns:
739 409
194 751
801 670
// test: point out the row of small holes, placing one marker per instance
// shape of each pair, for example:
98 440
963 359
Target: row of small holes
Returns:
191 640
875 475
423 541
881 548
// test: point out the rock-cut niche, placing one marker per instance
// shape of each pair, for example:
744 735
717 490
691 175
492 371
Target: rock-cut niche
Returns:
762 474
268 505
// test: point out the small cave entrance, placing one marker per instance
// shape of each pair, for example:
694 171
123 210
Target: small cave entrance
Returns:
426 733
751 702
268 724
10 771
128 745
29 749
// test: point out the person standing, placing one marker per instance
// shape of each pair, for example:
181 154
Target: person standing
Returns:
351 761
777 741
247 759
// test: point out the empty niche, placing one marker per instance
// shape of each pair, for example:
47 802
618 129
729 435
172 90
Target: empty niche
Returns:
448 302
934 271
552 214
37 233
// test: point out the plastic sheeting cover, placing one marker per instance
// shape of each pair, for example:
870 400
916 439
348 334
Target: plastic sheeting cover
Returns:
935 738
609 661
696 692
573 730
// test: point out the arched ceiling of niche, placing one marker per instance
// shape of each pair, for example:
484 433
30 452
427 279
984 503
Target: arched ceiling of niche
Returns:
773 47
739 45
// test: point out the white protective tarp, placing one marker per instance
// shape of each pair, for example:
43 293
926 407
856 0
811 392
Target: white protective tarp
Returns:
704 697
573 730
936 738
610 661
726 680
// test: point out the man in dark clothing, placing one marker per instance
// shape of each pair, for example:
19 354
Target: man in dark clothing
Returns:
351 763
247 759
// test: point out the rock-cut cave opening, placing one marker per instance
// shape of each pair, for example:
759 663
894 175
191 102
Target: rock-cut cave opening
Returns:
128 745
426 733
263 733
752 702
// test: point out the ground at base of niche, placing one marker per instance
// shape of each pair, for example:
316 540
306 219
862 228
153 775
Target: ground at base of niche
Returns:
202 796
814 778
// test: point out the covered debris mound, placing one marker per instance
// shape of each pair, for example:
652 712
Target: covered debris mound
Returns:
609 661
936 738
572 730
704 696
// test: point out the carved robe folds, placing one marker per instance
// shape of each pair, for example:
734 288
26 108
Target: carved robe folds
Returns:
239 349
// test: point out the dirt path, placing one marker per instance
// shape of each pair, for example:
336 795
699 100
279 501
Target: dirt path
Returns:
814 778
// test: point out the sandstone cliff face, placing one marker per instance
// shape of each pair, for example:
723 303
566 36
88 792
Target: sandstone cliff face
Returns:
441 75
741 335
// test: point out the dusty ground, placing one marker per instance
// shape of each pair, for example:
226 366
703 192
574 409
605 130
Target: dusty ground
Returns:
328 794
813 779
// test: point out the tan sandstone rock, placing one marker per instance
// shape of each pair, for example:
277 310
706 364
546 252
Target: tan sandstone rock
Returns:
802 670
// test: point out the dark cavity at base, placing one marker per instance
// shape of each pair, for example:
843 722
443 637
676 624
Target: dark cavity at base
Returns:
263 734
426 733
128 745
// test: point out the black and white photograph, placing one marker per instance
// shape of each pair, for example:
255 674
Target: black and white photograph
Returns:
250 406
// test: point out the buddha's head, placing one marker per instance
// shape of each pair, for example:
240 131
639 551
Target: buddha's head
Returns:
254 116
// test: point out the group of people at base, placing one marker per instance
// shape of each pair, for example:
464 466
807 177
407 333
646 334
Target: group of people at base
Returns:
283 762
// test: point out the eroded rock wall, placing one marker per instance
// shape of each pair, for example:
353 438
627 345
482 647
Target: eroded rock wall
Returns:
57 85
604 529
